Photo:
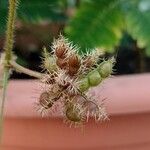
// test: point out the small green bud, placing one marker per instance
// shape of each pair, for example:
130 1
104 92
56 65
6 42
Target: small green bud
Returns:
105 68
49 63
94 78
84 84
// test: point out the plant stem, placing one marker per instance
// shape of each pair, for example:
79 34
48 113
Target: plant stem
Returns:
9 41
21 69
5 81
8 55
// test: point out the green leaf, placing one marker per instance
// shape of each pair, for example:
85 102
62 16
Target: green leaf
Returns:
97 23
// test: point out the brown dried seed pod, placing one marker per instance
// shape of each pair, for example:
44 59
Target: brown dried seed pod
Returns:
74 61
74 64
61 63
72 71
44 100
61 51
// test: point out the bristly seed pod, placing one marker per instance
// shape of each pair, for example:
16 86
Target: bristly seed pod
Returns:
84 84
74 64
72 71
91 79
94 78
44 100
74 61
49 62
61 63
70 81
61 51
73 113
106 67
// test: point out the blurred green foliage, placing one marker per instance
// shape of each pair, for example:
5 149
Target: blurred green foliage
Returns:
97 23
94 23
100 23
34 11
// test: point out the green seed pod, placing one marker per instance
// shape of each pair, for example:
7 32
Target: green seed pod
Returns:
105 68
84 84
94 78
49 62
73 113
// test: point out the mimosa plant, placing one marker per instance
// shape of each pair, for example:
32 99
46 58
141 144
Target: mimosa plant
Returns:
67 76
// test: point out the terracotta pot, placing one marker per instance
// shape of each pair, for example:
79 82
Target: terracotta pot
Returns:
128 103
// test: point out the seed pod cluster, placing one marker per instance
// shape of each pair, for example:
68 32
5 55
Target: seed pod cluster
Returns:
70 64
70 79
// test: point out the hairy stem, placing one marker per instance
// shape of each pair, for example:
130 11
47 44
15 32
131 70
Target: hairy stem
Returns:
8 54
9 41
21 69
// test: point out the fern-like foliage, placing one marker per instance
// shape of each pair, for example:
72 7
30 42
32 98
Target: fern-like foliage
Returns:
100 23
97 23
34 11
